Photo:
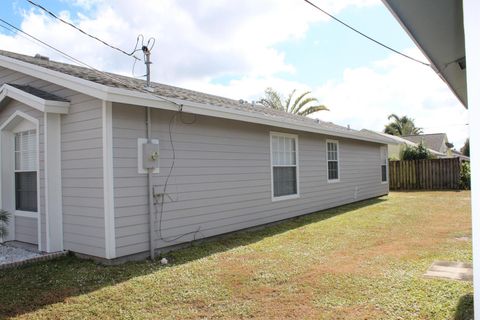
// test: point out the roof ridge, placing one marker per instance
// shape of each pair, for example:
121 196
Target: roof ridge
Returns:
113 80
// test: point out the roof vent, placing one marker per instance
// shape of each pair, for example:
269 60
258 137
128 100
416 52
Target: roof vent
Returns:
40 57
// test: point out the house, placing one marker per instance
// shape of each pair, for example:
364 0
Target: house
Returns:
397 144
435 141
94 163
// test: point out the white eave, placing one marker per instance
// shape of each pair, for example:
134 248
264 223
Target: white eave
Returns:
127 96
51 106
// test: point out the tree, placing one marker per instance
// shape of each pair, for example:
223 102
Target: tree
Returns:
401 126
466 148
301 105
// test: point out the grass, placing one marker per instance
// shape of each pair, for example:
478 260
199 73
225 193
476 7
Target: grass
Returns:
359 261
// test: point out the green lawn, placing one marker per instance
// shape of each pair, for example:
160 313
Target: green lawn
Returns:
360 261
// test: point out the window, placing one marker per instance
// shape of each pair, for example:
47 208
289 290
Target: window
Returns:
284 165
384 163
332 160
26 171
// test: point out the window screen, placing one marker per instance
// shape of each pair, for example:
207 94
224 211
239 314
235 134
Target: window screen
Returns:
332 160
284 165
26 171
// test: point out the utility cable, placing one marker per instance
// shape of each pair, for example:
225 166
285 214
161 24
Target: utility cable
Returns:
366 36
105 74
131 54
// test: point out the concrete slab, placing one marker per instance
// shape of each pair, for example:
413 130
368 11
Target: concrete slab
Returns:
450 270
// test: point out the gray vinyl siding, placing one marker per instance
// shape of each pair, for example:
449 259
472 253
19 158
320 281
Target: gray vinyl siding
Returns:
82 165
222 177
26 230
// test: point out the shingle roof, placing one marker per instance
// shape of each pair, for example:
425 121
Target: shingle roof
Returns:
39 93
400 140
167 91
433 141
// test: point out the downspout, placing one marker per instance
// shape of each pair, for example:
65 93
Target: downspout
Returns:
151 208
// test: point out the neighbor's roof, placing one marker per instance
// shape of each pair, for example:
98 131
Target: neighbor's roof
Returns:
433 141
400 140
117 88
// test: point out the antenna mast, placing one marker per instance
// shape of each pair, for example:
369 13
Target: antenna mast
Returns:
147 53
147 50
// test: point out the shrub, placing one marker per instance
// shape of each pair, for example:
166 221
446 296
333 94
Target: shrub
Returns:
465 175
4 218
419 152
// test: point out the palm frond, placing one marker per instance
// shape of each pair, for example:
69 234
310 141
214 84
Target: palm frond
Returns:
299 98
303 103
289 99
312 109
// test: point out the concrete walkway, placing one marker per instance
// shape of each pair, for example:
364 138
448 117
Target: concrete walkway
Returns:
450 270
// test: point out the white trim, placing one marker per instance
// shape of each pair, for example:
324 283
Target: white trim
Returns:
338 159
106 93
297 166
53 183
21 115
26 214
382 149
471 22
8 168
140 143
8 91
110 245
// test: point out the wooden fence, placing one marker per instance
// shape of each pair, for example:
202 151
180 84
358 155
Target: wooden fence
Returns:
434 174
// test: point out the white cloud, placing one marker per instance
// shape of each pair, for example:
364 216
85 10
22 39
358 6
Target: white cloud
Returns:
366 96
198 41
194 39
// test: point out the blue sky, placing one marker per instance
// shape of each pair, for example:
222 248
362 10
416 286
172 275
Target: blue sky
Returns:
237 49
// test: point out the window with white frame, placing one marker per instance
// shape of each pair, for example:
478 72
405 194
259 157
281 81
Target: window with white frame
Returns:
284 164
26 171
384 163
332 160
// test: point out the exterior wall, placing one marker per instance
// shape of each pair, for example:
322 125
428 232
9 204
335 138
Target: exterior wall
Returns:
26 230
394 151
82 164
222 177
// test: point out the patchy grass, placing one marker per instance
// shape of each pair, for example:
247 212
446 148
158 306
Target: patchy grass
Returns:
360 261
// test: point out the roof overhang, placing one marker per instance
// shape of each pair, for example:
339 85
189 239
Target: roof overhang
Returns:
436 27
8 93
125 96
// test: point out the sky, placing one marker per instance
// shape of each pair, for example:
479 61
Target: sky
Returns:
237 49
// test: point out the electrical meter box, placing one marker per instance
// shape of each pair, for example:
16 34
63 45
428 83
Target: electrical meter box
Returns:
148 156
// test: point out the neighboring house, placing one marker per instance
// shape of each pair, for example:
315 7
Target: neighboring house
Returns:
435 141
396 144
458 154
74 159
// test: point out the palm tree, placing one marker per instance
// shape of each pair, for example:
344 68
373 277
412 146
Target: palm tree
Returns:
298 106
401 126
